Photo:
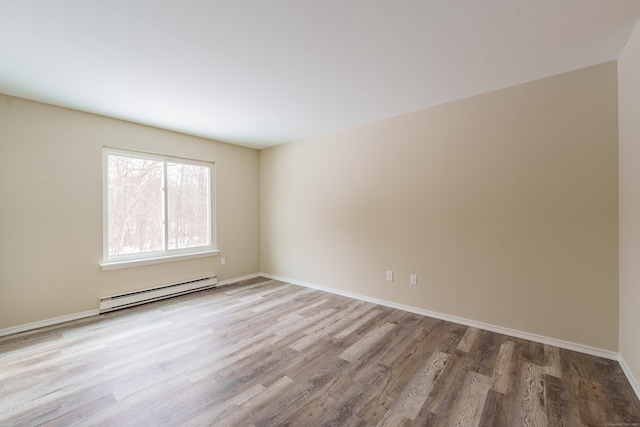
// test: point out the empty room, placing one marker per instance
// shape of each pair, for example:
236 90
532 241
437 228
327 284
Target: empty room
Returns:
342 213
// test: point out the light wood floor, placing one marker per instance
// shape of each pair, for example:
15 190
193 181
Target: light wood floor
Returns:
267 353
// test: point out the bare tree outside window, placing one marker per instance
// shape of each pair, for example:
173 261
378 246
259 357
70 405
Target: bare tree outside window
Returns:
135 205
188 203
139 218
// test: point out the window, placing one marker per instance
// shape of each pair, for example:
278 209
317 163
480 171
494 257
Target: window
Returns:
157 208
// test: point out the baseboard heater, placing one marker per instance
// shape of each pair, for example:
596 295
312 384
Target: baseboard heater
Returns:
116 302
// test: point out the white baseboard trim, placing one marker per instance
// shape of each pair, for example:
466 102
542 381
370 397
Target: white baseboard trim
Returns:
635 384
47 322
581 348
237 279
89 313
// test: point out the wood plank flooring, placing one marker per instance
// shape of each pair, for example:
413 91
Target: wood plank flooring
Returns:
267 353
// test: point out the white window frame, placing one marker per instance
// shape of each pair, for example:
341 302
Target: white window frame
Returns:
166 255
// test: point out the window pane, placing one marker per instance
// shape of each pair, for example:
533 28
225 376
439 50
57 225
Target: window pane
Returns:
188 205
135 205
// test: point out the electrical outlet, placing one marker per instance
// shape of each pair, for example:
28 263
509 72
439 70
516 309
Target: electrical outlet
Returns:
389 276
413 280
222 261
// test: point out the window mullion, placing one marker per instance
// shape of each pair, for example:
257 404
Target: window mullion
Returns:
165 207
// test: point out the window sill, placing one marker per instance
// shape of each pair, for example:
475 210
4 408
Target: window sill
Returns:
115 265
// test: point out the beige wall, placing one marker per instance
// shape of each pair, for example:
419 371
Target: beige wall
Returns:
51 210
629 142
503 204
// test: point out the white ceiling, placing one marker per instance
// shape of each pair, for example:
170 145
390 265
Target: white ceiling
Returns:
263 72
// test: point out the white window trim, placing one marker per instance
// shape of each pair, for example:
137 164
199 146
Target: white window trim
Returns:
135 260
115 265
